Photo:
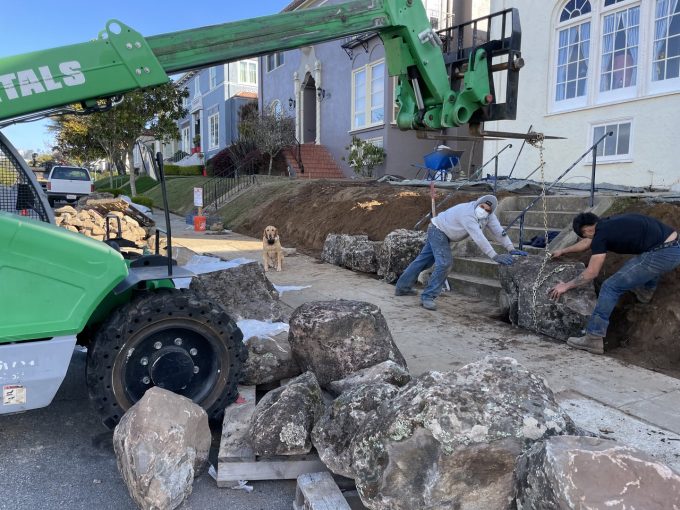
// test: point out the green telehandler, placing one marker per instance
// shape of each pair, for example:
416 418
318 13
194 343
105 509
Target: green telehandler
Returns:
58 288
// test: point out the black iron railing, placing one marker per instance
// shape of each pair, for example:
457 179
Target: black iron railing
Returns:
218 190
520 217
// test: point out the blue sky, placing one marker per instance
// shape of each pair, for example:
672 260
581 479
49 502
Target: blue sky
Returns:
33 25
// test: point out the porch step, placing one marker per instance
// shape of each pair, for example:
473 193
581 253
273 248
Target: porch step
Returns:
317 161
554 203
534 218
476 266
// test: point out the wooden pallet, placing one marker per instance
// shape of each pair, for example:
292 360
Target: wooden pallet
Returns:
318 491
236 459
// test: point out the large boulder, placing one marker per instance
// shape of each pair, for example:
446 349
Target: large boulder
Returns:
387 372
336 338
450 440
397 251
244 291
558 319
269 360
357 253
571 473
161 444
283 420
343 419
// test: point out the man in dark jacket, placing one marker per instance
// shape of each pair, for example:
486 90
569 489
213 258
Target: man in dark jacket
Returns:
657 251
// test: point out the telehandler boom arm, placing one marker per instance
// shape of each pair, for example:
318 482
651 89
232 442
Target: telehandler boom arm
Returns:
121 60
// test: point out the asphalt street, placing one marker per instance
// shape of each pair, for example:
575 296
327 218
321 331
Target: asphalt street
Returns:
61 457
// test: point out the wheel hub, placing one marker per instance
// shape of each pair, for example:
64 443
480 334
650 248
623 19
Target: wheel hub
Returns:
171 368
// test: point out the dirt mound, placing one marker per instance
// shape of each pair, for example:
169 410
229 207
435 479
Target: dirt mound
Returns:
305 214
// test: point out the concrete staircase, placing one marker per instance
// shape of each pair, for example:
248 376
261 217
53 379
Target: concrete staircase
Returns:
475 275
317 161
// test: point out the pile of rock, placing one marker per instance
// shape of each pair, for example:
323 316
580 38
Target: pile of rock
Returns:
90 222
388 258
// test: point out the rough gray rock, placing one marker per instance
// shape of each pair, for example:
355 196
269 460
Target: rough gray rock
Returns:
269 360
357 253
161 444
450 440
558 319
386 372
283 419
570 473
343 419
334 339
243 291
398 250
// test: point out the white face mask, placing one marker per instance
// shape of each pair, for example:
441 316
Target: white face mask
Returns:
481 213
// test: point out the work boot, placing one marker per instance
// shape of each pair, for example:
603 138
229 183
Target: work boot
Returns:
643 294
429 304
405 292
590 343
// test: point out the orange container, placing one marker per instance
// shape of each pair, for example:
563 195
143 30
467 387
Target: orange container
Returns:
199 223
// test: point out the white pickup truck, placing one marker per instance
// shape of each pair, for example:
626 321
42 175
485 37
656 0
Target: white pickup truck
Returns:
68 183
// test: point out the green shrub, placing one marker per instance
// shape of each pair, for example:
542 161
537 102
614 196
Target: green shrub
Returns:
114 191
146 201
183 170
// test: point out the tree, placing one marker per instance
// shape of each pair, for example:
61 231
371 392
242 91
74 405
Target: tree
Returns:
154 111
270 132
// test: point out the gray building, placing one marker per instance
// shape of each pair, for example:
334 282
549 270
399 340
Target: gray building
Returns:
340 89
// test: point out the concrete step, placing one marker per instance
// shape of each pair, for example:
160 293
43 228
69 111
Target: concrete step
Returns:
529 233
553 202
534 218
486 289
476 266
468 249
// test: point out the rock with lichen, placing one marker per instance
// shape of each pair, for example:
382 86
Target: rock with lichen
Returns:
342 420
283 420
450 440
387 372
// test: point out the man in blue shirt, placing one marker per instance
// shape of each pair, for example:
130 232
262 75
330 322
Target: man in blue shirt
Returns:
657 251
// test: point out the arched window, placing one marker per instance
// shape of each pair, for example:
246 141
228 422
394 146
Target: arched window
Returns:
276 109
573 50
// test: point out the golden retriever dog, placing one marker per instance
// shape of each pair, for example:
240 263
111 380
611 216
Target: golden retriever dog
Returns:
272 253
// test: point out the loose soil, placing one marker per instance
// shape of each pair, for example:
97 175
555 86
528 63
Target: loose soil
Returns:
306 212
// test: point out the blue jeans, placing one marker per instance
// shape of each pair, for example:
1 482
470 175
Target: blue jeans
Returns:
641 271
437 251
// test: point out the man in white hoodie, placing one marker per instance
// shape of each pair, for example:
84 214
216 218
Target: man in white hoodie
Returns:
455 224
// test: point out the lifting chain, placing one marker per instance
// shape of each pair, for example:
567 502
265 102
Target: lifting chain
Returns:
540 277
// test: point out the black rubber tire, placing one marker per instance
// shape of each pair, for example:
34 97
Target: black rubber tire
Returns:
130 336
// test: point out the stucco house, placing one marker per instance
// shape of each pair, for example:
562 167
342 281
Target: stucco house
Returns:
339 89
594 66
216 95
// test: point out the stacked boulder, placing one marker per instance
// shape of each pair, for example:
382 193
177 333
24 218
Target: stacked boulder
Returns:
91 223
388 258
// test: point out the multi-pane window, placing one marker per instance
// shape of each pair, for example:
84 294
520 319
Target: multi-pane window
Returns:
276 109
608 50
620 37
274 60
214 131
616 146
212 77
666 46
368 95
247 72
572 61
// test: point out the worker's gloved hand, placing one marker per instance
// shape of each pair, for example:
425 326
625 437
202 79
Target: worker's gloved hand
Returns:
505 259
521 253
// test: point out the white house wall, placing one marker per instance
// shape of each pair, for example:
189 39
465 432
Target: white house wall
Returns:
655 120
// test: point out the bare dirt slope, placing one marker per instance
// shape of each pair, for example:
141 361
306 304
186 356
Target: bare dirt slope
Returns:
305 212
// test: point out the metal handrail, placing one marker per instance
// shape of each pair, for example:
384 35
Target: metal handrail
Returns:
217 190
520 216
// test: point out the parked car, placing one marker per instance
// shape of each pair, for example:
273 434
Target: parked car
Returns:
68 183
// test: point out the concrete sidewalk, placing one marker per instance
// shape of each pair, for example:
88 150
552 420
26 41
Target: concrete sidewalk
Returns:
602 394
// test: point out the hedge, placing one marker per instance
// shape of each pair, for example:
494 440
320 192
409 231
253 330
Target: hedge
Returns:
183 170
146 201
114 191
